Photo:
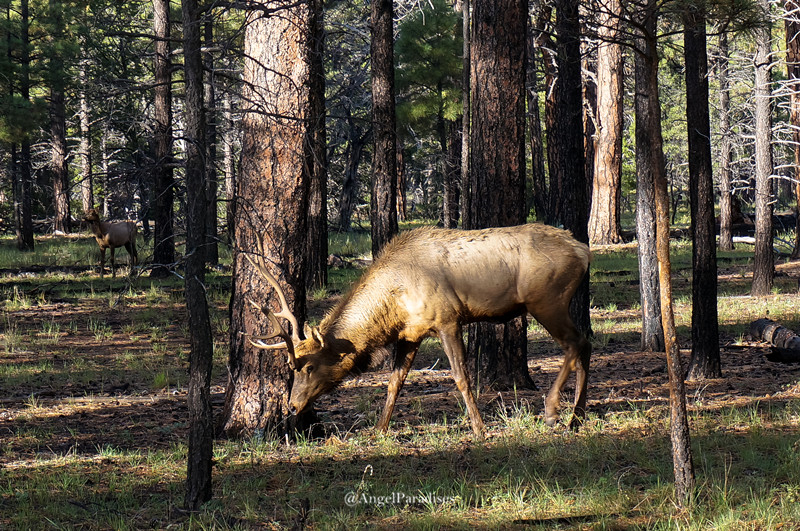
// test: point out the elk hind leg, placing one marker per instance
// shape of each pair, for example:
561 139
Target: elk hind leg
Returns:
404 357
113 264
453 344
131 248
577 351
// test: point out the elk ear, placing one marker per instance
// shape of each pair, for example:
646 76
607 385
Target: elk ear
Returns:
314 332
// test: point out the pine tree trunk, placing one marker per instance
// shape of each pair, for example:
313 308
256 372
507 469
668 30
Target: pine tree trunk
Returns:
272 201
466 117
793 71
212 185
383 212
452 176
318 198
164 244
570 138
58 161
652 328
647 93
538 186
24 196
725 148
764 261
604 218
348 195
496 181
229 165
705 361
201 425
86 182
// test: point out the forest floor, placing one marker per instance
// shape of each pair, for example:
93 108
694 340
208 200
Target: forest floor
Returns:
102 371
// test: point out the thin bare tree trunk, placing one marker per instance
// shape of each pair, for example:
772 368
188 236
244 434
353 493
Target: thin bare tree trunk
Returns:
87 183
725 147
793 69
764 261
317 276
652 327
164 244
384 163
466 116
201 425
24 196
539 200
229 165
705 361
647 94
210 102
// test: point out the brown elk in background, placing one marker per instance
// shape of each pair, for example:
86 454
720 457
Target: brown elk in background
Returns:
431 282
110 235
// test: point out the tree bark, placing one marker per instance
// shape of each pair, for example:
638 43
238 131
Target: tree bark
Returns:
604 218
271 202
23 212
570 138
356 142
547 45
647 96
646 166
318 198
229 165
764 261
58 126
452 176
496 182
466 116
201 425
210 101
164 244
538 200
725 147
705 360
793 70
84 116
383 212
775 334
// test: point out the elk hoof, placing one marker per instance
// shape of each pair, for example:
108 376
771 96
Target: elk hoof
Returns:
576 423
551 420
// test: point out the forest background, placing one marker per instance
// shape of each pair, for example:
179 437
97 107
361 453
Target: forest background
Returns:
98 111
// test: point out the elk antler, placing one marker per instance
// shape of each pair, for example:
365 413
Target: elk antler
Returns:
289 341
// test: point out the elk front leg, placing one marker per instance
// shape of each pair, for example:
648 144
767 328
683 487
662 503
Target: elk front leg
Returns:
102 261
404 357
453 344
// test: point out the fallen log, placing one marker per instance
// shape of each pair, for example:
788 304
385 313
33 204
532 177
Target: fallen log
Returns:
784 343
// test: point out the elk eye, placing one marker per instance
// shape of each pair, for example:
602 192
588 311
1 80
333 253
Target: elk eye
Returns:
309 369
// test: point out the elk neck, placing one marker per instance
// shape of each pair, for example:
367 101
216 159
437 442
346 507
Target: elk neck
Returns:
365 320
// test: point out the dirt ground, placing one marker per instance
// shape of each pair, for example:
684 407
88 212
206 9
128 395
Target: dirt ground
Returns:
117 410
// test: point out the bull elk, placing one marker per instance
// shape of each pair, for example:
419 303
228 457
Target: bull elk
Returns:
110 235
431 282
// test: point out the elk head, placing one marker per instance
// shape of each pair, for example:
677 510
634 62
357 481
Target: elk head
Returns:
91 216
317 368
